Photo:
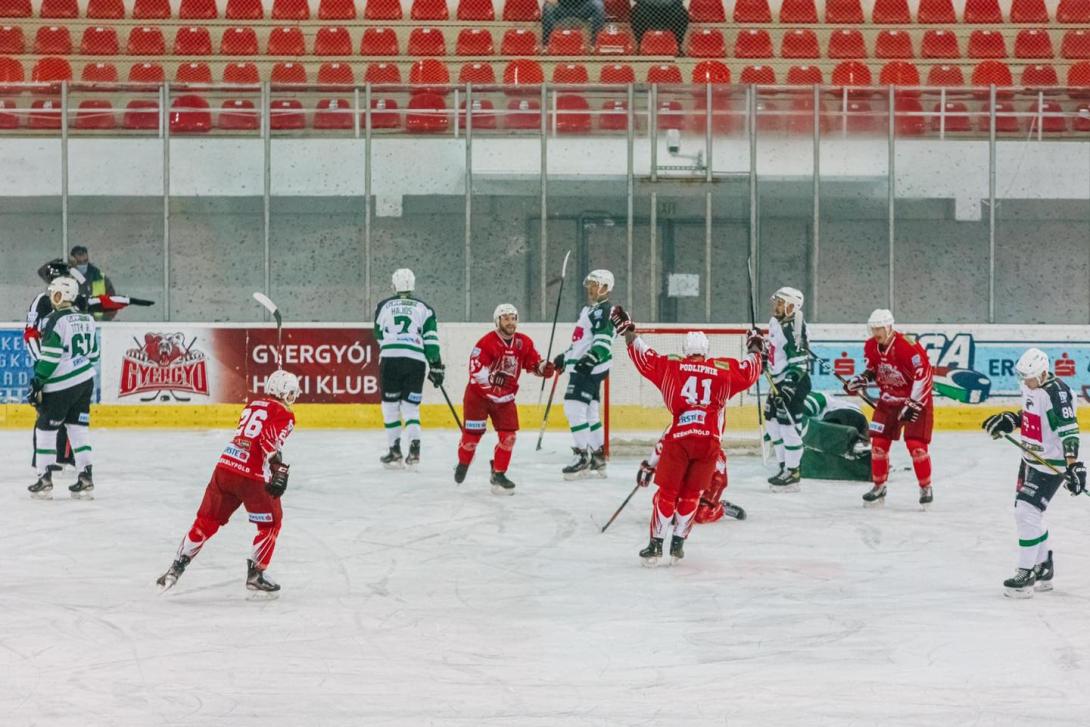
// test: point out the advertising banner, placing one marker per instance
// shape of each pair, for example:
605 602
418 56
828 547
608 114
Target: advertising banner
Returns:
16 367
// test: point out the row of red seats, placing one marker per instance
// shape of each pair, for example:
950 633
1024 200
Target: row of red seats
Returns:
842 43
525 71
837 12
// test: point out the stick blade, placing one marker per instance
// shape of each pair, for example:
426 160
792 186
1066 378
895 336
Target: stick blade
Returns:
265 301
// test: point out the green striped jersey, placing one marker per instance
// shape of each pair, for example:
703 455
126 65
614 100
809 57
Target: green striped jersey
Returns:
1049 424
593 334
406 328
69 350
789 348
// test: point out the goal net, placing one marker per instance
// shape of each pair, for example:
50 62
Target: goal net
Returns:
634 415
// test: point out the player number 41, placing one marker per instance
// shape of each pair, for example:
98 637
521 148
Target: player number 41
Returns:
689 391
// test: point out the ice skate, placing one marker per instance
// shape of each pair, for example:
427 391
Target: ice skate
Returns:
580 466
677 549
652 554
860 449
926 497
787 481
598 462
1043 573
876 497
258 584
1021 586
392 459
733 511
500 484
778 475
84 487
412 459
168 579
460 471
43 488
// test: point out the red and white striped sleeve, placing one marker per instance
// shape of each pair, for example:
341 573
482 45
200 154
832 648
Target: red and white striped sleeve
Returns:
650 364
921 373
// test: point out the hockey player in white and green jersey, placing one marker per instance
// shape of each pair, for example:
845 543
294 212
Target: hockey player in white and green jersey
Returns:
408 339
788 362
589 357
1050 438
62 387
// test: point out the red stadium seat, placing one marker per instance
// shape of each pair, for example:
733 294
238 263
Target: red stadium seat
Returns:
151 10
239 42
290 10
286 41
1033 43
569 42
99 73
427 114
95 115
379 42
899 73
105 9
336 10
793 12
570 73
15 9
893 44
758 75
480 73
333 114
429 10
909 118
12 40
382 10
244 10
1029 11
851 73
805 76
146 73
987 44
430 75
523 72
427 42
238 115
658 43
11 71
860 118
476 10
146 41
193 73
614 115
286 114
843 12
241 73
198 10
475 42
668 73
523 114
706 43
190 114
332 42
983 12
800 44
52 41
1039 76
288 73
891 12
614 39
1078 77
384 114
141 115
939 44
988 73
336 74
99 41
1051 119
58 9
705 72
51 70
45 114
845 43
521 10
936 12
617 73
382 73
753 44
1076 44
192 41
519 42
8 118
945 76
953 119
1081 121
572 114
1073 11
618 11
752 11
671 115
707 11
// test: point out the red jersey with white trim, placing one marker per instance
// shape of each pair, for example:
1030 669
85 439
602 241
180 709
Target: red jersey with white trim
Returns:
901 370
495 365
695 390
263 428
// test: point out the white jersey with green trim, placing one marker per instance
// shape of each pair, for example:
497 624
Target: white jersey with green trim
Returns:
69 350
818 404
1049 424
593 335
787 350
406 328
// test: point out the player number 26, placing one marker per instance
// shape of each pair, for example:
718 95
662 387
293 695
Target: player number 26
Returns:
689 390
251 423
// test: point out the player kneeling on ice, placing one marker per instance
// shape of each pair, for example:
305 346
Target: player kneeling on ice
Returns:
1050 441
494 368
695 389
901 370
251 473
711 507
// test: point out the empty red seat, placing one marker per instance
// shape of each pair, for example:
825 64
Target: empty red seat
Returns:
198 10
332 42
954 117
1073 11
427 113
758 75
572 114
146 73
668 73
193 73
983 12
568 42
752 11
523 114
290 10
800 43
238 115
52 40
429 10
891 12
671 115
333 114
286 114
15 9
288 73
805 76
99 41
846 43
45 114
286 41
475 42
798 11
1029 11
244 10
658 43
427 42
1039 76
482 113
987 44
11 71
429 73
190 114
105 9
382 73
476 10
523 72
899 73
989 73
707 11
1076 44
481 73
936 12
51 70
382 10
857 117
95 115
141 115
939 44
99 73
753 43
893 44
241 73
614 115
239 42
521 10
12 40
618 11
336 74
851 73
151 10
379 42
146 41
705 72
1078 76
1033 43
519 42
336 10
570 73
384 114
1081 122
842 12
706 43
945 75
192 41
909 118
614 39
1048 116
619 73
58 9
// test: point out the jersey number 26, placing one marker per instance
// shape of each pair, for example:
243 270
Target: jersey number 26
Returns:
251 423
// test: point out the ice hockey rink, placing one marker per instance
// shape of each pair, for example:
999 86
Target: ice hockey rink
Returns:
408 600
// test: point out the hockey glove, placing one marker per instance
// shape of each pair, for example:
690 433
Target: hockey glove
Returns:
546 369
858 383
34 396
279 481
755 342
558 363
622 324
1002 423
1075 478
498 379
585 365
436 372
911 411
645 475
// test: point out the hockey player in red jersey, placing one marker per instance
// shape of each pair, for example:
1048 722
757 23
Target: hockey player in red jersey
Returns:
712 507
494 368
695 389
251 473
902 372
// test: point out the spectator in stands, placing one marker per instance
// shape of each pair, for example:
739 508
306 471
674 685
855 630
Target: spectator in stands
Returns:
94 283
660 15
553 11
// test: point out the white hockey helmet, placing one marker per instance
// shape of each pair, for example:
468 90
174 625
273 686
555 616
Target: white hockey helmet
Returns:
602 277
64 287
790 296
695 344
1032 364
404 280
283 385
880 318
504 309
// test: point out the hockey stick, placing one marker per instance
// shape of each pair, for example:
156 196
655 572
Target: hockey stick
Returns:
271 307
862 394
552 332
548 408
1036 457
753 324
452 411
618 512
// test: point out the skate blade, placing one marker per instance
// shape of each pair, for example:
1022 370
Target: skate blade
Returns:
573 476
675 559
600 474
497 490
1042 586
875 504
650 562
165 586
82 495
1018 592
42 495
262 595
925 506
393 466
414 467
784 488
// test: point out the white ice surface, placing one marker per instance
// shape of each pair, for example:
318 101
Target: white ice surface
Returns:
411 601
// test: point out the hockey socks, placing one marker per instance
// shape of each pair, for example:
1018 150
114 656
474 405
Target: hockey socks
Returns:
45 449
502 456
410 415
921 461
879 460
391 419
578 415
594 419
80 440
1033 545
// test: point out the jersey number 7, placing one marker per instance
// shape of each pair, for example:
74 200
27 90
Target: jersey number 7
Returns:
689 391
